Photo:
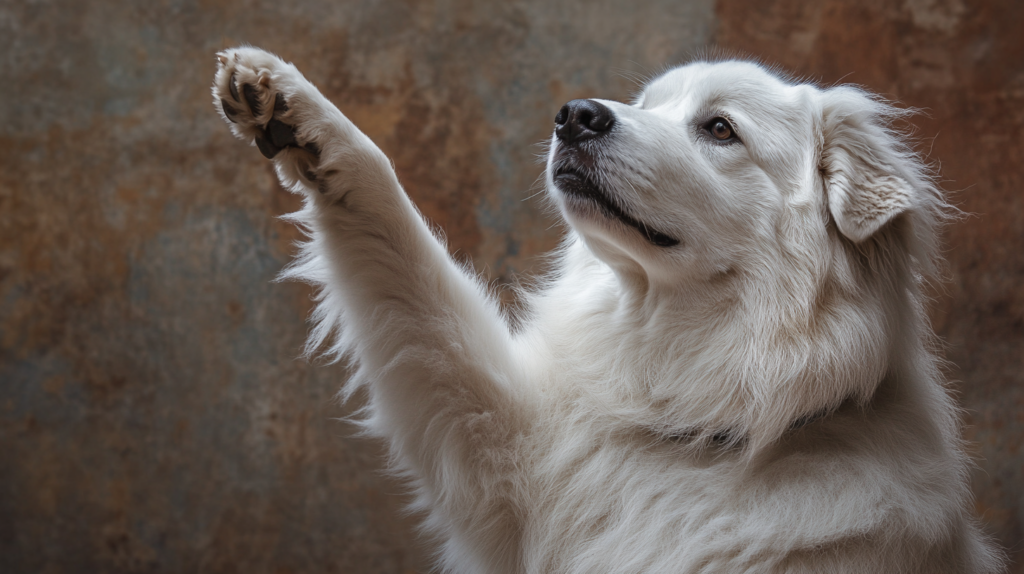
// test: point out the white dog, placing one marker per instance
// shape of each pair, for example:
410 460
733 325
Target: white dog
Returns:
728 370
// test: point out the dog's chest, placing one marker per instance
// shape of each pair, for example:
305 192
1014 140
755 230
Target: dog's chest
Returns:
597 501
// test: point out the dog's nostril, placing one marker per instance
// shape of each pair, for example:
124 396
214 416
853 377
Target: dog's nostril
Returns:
600 121
584 118
562 116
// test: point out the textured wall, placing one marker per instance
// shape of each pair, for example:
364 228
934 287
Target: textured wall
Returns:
153 417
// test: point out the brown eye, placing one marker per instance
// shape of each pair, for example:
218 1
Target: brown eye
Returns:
720 129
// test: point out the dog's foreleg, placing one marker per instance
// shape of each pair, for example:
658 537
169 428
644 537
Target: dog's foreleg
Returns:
431 346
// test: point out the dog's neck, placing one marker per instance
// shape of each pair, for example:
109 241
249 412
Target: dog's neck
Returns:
701 438
736 356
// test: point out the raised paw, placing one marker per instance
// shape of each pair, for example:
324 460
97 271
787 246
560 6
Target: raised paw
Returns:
252 90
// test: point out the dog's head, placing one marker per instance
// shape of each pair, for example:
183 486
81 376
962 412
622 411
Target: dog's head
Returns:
800 204
713 161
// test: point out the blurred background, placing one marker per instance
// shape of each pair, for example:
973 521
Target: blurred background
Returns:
154 416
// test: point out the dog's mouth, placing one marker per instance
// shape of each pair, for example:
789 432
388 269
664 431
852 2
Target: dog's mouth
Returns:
573 182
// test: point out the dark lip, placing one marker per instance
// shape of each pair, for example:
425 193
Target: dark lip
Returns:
574 182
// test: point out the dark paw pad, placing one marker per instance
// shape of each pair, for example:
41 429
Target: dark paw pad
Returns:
281 134
229 110
279 104
251 99
233 86
266 146
277 135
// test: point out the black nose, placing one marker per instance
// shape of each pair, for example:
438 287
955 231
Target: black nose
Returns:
583 119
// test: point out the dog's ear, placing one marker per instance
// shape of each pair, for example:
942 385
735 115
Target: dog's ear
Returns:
863 162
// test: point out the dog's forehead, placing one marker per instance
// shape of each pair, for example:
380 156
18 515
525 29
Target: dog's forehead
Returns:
711 83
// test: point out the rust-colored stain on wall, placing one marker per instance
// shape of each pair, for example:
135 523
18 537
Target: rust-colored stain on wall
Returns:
154 416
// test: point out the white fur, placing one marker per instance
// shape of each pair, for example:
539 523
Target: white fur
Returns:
762 397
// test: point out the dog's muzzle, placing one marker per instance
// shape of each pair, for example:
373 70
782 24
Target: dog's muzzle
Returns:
582 121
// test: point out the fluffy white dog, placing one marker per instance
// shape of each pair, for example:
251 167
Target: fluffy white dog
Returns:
728 370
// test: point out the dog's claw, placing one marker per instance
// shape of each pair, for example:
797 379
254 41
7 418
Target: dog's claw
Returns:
312 148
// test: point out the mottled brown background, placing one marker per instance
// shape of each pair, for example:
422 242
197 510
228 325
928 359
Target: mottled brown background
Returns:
153 414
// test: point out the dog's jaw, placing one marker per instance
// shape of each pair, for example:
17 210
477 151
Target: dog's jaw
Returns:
578 188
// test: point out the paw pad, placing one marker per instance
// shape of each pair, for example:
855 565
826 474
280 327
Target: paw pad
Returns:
249 92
